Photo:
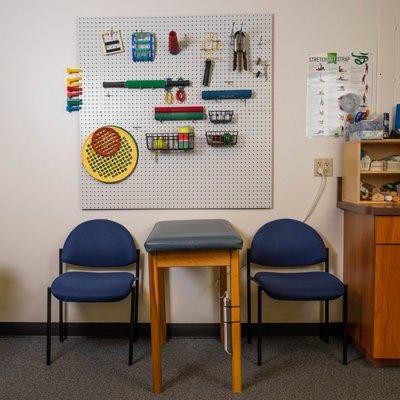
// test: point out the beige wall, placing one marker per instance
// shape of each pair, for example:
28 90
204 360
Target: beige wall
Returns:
397 55
39 189
388 54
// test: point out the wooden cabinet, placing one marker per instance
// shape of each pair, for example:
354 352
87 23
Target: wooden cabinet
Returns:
387 301
387 230
371 252
372 272
353 175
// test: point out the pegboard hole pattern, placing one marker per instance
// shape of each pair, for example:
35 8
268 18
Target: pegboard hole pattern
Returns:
208 177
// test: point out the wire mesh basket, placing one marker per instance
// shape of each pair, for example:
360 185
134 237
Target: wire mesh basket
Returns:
170 141
220 116
221 138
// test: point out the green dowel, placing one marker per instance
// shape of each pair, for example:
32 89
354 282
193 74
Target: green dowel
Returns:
145 84
180 116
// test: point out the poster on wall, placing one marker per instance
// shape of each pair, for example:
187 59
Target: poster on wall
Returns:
329 77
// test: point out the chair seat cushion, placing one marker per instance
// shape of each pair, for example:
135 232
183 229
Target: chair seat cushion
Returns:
92 287
316 285
200 234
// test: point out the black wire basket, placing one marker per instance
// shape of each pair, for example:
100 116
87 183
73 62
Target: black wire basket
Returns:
222 138
170 141
220 116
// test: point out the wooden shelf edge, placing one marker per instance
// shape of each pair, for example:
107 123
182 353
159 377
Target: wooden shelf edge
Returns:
379 172
368 202
378 141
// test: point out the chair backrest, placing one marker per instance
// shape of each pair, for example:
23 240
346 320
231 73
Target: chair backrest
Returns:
99 243
287 243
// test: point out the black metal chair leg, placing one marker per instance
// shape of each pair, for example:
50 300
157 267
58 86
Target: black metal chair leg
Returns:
326 321
259 325
132 321
65 325
61 321
248 299
48 349
345 315
322 330
136 330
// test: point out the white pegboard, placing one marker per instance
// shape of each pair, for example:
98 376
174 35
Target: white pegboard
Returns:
208 177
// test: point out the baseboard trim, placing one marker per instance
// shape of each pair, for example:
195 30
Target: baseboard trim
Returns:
108 329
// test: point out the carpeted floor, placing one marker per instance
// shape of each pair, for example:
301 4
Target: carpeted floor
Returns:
194 368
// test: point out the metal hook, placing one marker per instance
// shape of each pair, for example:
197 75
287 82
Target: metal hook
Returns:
232 33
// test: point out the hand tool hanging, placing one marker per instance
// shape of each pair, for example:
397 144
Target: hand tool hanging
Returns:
209 45
239 50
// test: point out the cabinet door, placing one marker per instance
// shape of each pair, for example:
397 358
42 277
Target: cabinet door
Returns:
387 302
387 230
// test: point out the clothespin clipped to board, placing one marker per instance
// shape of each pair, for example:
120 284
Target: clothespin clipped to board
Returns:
74 89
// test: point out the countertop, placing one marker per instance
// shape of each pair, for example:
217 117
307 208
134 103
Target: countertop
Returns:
370 209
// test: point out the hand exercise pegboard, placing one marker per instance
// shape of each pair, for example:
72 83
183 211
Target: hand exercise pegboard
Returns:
205 177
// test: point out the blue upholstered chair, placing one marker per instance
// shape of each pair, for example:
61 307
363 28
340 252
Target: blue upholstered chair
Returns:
96 243
291 243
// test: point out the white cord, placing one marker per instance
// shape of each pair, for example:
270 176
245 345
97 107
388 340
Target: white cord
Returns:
318 195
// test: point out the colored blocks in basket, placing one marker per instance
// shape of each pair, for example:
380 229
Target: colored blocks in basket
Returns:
190 113
160 144
184 133
181 140
221 138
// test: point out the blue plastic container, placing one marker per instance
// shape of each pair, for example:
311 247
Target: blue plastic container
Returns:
397 122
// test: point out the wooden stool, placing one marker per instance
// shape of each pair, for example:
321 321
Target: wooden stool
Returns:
193 243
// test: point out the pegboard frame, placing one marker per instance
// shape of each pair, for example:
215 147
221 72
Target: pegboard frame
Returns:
239 177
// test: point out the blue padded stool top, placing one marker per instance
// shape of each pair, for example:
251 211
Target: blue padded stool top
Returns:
92 287
302 286
197 234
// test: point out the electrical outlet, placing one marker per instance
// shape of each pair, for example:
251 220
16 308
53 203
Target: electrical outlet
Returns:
326 164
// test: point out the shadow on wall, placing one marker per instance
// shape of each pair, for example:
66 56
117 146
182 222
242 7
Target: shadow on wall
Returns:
7 287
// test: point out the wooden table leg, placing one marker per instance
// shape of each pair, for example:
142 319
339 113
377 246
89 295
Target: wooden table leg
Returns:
161 304
222 290
235 318
155 325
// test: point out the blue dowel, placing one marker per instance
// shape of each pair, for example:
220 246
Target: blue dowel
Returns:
226 94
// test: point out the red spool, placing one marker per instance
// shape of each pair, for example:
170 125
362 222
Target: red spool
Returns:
173 44
181 95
